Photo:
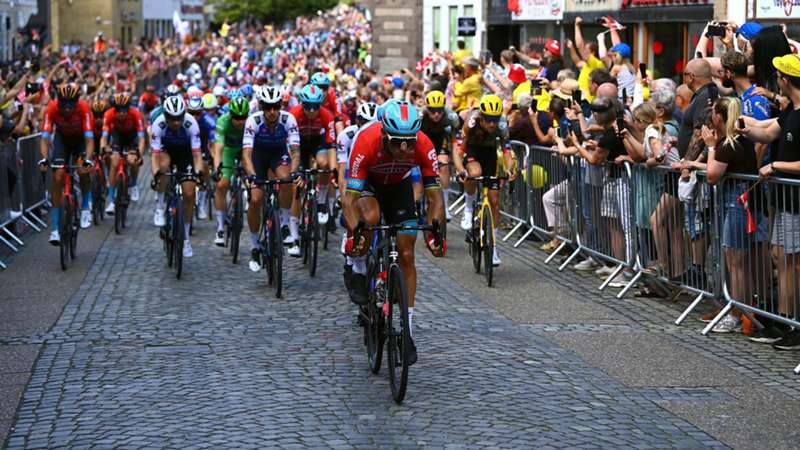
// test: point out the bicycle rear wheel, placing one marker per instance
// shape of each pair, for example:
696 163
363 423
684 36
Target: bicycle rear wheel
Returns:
373 318
475 246
398 333
236 224
178 237
119 206
487 244
305 225
64 229
98 199
277 247
76 226
267 249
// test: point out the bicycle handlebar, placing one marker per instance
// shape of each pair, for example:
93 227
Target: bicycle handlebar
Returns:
486 178
258 182
394 228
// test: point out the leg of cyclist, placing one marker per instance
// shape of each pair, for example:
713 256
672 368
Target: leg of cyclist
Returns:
220 206
194 162
254 223
322 192
161 162
370 213
282 171
473 169
444 179
112 181
134 161
294 213
86 186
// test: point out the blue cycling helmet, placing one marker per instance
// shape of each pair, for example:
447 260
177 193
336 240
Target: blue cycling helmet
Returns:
400 118
311 95
321 80
246 90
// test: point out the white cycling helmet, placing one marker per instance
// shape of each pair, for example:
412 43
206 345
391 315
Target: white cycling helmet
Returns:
173 89
195 103
367 111
174 106
269 94
218 91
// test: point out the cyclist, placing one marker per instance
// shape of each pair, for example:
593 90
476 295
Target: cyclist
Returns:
440 125
169 91
210 105
175 141
481 132
227 149
331 103
315 124
365 114
383 154
207 126
123 133
68 125
148 101
271 143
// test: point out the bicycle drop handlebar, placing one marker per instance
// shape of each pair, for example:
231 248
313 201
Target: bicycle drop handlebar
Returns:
393 229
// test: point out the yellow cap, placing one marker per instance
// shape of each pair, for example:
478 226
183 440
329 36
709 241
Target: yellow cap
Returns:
788 64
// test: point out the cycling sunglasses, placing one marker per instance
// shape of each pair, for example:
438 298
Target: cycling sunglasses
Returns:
402 142
270 106
238 117
311 106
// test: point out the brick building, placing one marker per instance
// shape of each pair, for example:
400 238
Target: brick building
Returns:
397 33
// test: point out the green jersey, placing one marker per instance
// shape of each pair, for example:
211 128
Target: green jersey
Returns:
227 134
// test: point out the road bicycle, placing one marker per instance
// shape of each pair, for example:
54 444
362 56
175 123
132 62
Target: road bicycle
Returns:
121 196
98 187
310 230
269 234
173 231
481 238
234 216
69 217
385 316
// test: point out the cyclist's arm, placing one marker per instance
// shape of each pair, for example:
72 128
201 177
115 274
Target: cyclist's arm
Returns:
47 130
140 131
458 150
197 155
293 141
360 161
88 130
427 161
155 143
219 142
250 128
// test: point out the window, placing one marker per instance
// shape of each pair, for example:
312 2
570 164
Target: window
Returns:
453 16
469 11
437 25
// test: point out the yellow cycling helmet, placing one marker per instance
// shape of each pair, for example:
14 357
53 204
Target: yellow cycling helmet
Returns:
434 99
491 105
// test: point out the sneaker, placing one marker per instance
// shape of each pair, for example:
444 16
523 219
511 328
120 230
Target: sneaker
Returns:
288 240
708 317
789 341
585 265
620 281
348 271
134 192
14 214
447 215
55 238
728 324
158 217
255 260
111 208
294 250
322 214
604 271
466 221
86 218
202 211
496 258
187 249
219 240
412 352
357 289
768 335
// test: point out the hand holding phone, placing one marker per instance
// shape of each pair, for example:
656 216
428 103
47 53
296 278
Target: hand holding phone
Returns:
643 70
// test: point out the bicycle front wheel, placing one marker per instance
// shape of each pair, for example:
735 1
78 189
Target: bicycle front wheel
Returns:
178 237
487 244
373 321
475 246
398 333
236 224
119 206
64 228
277 249
76 226
313 239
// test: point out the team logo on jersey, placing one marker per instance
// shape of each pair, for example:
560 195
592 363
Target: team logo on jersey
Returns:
162 125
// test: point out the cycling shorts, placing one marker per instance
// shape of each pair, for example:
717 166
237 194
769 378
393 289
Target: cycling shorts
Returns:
309 152
124 143
67 149
487 159
264 161
181 158
229 157
396 200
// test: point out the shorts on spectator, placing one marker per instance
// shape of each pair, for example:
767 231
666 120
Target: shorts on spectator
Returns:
786 232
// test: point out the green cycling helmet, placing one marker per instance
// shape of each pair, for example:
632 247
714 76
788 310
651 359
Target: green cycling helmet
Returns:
239 107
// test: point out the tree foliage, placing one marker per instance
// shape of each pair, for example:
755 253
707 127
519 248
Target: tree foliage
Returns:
268 10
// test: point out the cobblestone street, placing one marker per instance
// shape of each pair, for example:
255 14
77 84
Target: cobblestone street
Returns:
140 359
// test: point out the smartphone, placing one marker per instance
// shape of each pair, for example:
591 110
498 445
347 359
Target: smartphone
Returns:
536 87
620 121
643 70
698 55
569 103
624 97
716 30
487 57
741 123
576 96
559 133
576 128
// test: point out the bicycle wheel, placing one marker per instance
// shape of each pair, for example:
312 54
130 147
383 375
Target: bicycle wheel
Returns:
76 226
119 206
373 318
98 201
305 224
211 190
277 247
178 236
475 246
487 244
267 250
167 235
236 224
313 239
398 333
64 229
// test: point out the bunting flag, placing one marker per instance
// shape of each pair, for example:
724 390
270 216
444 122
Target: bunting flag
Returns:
514 7
744 200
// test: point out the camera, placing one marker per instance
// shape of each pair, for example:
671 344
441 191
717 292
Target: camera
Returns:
716 29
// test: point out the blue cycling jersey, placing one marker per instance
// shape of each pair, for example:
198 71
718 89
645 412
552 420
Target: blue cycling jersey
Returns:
260 136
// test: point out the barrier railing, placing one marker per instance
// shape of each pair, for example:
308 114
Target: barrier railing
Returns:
514 196
34 183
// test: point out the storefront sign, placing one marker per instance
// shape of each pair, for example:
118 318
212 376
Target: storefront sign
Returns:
541 10
652 3
579 6
775 9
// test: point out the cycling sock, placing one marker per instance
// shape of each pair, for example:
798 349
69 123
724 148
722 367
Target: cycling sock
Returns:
220 215
294 227
112 191
322 195
254 240
468 200
85 199
161 201
411 321
55 218
360 264
446 194
186 228
284 217
201 198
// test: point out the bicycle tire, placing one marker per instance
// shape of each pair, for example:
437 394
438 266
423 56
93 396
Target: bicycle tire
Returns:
487 244
97 200
277 245
178 233
373 336
76 226
167 232
267 250
475 246
236 225
313 239
119 205
304 226
211 189
63 229
398 341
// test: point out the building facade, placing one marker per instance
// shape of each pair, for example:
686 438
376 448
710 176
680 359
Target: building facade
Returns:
14 16
158 16
81 20
439 24
396 33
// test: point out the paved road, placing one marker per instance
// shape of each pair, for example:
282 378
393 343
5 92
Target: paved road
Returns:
139 359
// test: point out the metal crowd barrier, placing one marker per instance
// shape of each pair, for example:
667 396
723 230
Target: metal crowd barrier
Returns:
514 195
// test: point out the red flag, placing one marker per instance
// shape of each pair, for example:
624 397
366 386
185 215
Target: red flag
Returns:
744 200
